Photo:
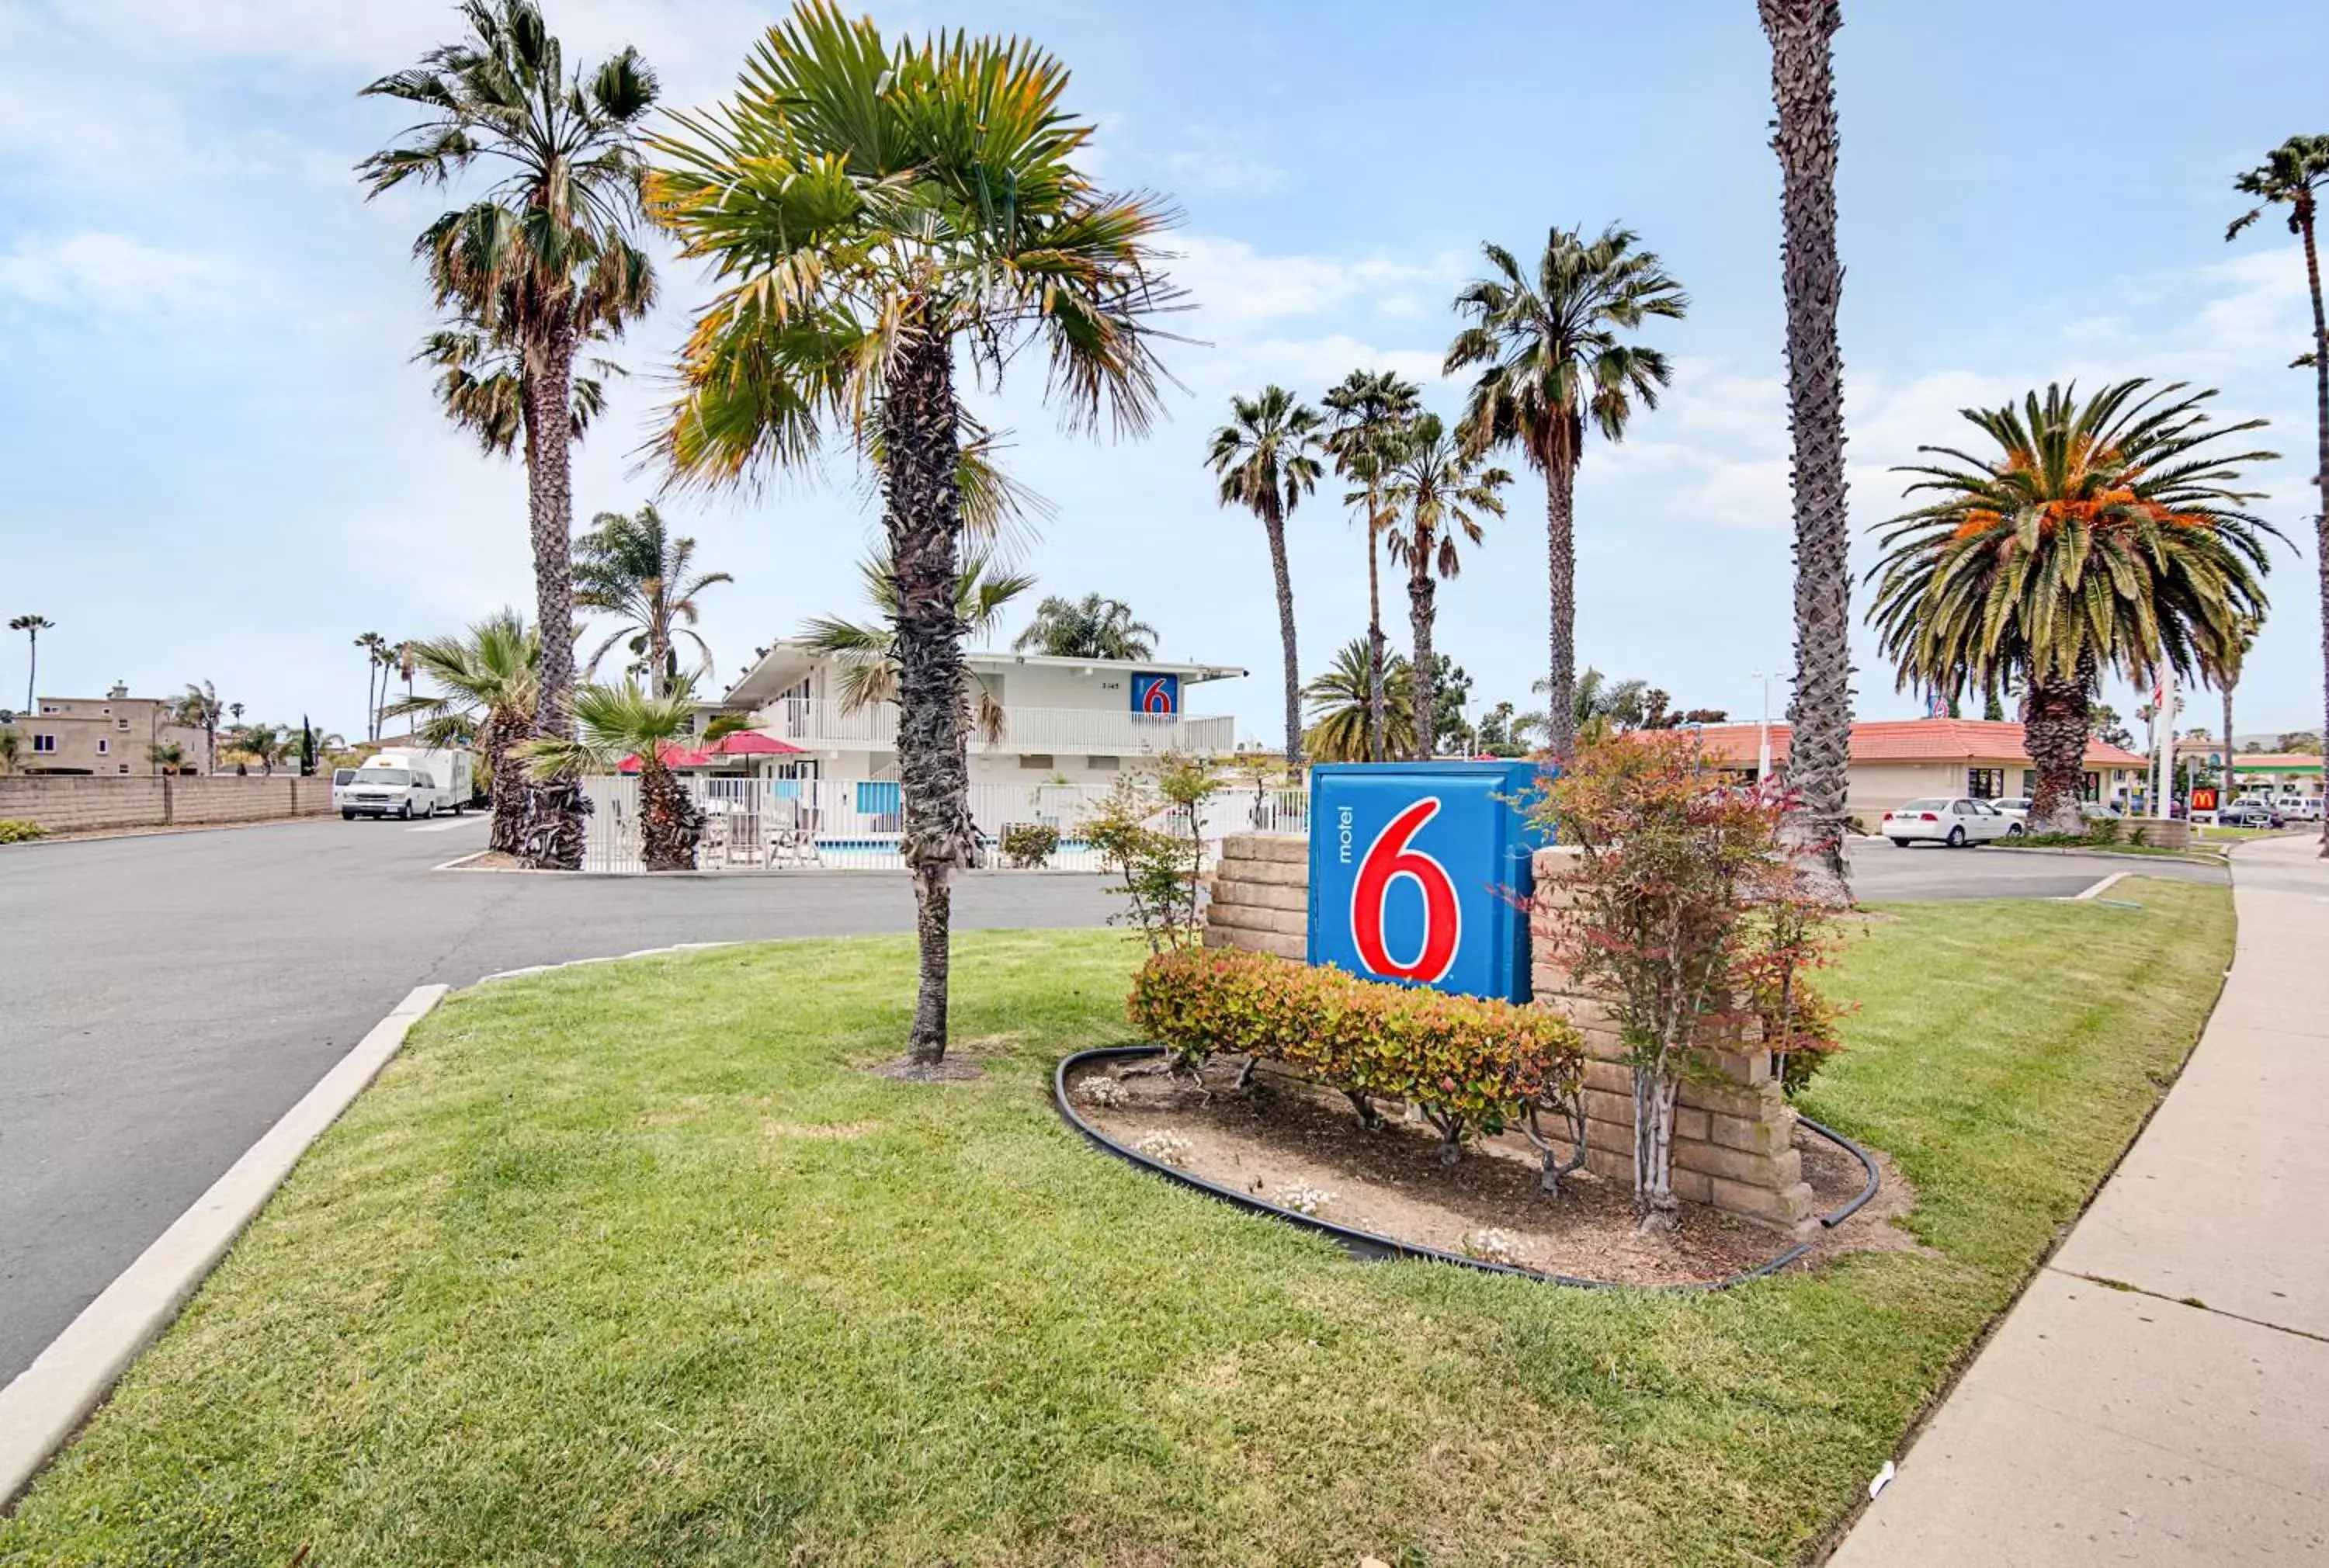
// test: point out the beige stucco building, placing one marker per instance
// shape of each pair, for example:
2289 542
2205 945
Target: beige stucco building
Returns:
111 736
1897 760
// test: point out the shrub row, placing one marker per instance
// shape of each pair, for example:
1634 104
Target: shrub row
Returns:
16 831
1470 1065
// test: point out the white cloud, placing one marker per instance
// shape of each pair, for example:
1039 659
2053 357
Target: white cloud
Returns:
1216 164
1237 287
112 273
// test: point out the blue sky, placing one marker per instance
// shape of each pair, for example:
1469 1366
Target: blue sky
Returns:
222 466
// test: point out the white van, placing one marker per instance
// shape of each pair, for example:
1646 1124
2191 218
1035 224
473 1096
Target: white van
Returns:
407 783
2296 808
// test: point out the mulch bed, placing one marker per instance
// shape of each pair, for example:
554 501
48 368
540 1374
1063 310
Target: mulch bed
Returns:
1286 1142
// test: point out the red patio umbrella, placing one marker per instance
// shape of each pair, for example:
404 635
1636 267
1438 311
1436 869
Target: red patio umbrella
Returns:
673 754
752 742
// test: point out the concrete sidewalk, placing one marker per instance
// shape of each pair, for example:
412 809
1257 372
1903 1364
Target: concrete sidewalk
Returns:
2161 1393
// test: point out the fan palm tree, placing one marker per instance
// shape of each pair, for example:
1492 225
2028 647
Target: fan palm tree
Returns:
1091 627
198 708
373 646
1439 490
870 671
542 262
2103 537
481 386
1371 410
1802 34
635 569
2226 674
870 207
11 749
487 683
2293 175
1551 356
1342 727
1267 457
167 756
32 627
613 723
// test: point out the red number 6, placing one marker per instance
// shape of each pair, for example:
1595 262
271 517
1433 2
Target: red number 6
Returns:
1387 860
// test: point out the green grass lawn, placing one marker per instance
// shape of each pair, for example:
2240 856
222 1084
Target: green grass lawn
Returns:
628 1264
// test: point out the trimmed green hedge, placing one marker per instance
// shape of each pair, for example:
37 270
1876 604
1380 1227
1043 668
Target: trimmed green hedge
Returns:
1468 1063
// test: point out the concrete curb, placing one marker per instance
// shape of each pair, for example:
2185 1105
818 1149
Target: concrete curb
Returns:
2101 888
2195 857
46 1403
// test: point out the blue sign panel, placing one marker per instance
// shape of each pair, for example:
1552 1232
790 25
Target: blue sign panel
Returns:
1158 695
1419 873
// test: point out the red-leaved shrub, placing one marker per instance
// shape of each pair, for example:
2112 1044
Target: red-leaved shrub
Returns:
1468 1063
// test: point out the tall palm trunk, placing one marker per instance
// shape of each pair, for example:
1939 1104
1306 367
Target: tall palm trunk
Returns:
1376 745
1273 520
1560 593
1424 693
2055 721
2224 774
33 667
2305 215
920 450
508 787
554 806
1819 748
669 823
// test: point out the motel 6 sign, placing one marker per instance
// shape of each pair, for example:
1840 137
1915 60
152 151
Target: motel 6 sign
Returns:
1419 872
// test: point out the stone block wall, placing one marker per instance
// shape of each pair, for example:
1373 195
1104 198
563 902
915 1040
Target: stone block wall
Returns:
1734 1141
1261 894
2159 832
67 804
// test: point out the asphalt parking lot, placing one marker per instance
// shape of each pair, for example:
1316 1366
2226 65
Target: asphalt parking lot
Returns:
166 998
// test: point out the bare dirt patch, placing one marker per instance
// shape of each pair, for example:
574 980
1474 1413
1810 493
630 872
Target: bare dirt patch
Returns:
955 1069
1291 1144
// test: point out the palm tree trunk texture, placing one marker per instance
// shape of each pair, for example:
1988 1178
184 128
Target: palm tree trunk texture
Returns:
924 515
32 666
1560 593
1425 693
2054 725
1375 747
2224 774
669 823
508 786
1274 522
554 806
2305 216
1819 748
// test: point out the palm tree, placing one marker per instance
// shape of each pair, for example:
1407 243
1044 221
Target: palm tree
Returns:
635 569
481 385
2104 537
167 756
1091 627
542 262
871 668
11 749
1603 707
613 723
32 627
2226 674
1819 711
1267 457
258 743
1342 727
375 692
199 710
1372 411
2294 175
487 681
1441 490
868 207
1550 356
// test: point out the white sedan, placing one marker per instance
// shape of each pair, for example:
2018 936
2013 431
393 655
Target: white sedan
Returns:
1954 822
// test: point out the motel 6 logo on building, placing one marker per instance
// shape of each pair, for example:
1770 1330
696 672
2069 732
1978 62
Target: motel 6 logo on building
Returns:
1415 869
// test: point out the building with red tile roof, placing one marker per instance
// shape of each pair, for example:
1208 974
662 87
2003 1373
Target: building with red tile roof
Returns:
1895 760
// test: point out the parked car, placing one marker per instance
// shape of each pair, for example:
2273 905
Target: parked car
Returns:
1953 821
431 781
2249 814
2015 808
2296 808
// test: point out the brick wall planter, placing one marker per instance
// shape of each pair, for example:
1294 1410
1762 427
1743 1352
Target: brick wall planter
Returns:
1734 1140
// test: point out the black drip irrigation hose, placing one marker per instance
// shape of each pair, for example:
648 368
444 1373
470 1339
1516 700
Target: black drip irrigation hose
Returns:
1867 1163
1371 1247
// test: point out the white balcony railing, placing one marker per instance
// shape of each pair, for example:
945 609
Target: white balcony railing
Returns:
814 722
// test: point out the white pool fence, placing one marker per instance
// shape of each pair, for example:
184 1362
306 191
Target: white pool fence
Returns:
777 824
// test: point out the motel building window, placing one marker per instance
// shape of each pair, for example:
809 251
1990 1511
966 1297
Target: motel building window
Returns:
44 743
1986 784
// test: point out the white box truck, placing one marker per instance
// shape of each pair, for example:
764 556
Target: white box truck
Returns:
407 781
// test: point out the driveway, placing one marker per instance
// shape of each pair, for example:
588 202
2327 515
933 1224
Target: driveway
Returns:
165 998
1881 871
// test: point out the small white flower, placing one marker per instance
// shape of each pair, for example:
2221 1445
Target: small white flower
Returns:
1164 1146
1305 1199
1492 1246
1103 1091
